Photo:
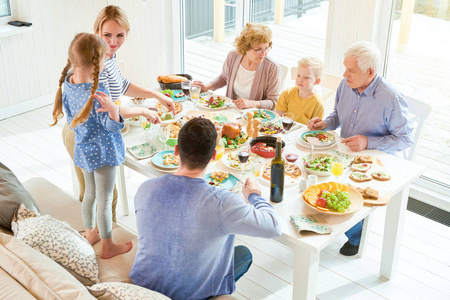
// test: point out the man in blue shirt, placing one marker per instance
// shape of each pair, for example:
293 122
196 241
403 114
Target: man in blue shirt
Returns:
186 226
371 113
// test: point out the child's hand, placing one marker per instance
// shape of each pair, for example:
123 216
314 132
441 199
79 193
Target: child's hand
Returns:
107 106
151 116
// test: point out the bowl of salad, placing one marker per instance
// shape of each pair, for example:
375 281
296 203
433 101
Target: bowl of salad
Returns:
270 128
318 164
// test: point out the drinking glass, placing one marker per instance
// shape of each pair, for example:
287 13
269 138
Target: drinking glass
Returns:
165 135
186 86
287 119
220 145
256 168
337 167
195 92
243 155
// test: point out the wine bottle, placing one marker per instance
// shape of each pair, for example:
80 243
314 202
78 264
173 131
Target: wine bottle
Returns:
277 175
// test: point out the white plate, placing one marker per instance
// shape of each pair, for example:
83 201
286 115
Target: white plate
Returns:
227 103
273 115
302 143
288 180
125 129
237 165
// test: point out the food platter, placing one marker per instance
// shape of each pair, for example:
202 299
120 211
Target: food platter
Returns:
269 116
288 180
158 160
203 102
231 161
177 99
356 199
229 183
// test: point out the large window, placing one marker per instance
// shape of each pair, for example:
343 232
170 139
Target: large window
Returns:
5 10
418 65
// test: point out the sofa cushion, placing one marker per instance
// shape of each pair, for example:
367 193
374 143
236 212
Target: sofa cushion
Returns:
60 242
38 274
54 201
124 291
12 194
10 289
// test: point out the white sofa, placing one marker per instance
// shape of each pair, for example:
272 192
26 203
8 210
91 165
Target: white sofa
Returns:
60 205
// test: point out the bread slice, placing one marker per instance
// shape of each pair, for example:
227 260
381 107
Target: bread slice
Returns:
362 159
363 167
370 194
360 177
381 176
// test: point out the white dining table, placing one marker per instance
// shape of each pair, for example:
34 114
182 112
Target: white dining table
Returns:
307 247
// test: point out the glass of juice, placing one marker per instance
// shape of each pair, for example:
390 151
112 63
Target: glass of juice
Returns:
337 168
195 92
256 168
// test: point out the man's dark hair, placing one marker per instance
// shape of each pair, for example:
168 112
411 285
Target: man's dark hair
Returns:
196 143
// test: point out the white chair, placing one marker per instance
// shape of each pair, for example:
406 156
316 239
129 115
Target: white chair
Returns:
283 74
328 81
419 112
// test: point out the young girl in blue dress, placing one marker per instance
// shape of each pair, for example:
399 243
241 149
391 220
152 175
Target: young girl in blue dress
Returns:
99 146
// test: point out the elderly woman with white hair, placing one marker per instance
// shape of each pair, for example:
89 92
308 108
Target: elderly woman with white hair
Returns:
371 113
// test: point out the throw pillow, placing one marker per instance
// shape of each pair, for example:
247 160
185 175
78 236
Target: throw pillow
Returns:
12 194
36 273
123 291
60 242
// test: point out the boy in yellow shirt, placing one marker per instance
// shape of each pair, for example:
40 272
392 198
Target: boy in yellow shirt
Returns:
302 100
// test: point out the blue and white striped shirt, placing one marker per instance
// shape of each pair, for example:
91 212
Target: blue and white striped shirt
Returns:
113 79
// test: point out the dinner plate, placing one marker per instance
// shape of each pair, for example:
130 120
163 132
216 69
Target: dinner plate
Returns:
178 99
229 183
231 161
161 169
158 160
305 144
125 129
355 197
142 151
331 138
272 117
202 102
288 180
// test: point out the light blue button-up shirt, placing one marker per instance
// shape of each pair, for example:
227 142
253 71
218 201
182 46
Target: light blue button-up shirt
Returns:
379 112
98 141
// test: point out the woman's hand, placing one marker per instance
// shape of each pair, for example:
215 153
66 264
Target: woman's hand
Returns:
167 102
107 106
245 103
151 116
204 87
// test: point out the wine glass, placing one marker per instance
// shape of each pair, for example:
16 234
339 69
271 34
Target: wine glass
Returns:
165 135
243 155
287 119
186 86
337 167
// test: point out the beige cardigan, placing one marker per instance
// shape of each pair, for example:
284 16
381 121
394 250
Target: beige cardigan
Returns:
266 86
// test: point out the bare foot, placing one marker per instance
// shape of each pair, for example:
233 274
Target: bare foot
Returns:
110 249
92 235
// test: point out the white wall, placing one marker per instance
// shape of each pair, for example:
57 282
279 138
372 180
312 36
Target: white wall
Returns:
31 63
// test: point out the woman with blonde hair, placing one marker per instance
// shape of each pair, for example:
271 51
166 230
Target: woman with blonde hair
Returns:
112 27
252 78
99 146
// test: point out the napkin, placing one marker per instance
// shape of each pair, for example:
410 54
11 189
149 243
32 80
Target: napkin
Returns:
314 223
142 151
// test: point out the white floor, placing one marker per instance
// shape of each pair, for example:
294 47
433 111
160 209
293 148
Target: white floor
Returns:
31 148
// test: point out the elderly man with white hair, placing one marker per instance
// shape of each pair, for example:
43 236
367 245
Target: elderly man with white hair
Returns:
371 113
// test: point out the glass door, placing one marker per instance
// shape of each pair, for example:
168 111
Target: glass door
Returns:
418 65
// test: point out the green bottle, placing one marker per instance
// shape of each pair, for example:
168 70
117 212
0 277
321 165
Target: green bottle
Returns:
277 175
